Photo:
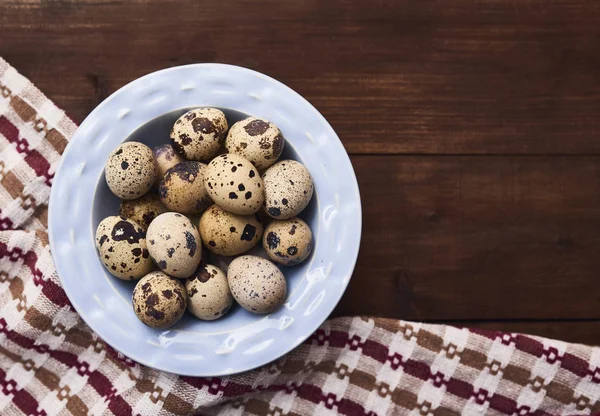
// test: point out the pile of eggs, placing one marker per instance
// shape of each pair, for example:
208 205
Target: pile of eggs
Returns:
213 188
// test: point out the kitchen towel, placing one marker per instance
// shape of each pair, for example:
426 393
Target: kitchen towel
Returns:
51 363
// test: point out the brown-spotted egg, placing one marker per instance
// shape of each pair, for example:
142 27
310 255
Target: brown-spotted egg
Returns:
229 234
174 244
131 170
234 184
142 210
257 140
256 284
288 189
199 133
209 297
159 301
122 248
166 158
182 188
288 242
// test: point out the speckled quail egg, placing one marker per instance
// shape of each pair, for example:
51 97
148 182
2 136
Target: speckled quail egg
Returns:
209 297
159 300
258 140
229 234
121 244
165 158
256 284
234 184
288 242
142 210
131 170
174 244
288 189
182 188
199 133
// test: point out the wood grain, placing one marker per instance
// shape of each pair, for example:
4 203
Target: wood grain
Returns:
453 77
473 128
477 237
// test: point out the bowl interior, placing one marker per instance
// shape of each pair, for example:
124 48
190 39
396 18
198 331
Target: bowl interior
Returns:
154 133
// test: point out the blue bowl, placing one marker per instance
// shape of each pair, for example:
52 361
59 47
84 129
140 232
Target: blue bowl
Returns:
144 110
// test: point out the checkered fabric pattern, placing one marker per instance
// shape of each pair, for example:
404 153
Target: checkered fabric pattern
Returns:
51 363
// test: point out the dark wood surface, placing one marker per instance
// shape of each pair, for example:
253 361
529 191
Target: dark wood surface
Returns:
473 127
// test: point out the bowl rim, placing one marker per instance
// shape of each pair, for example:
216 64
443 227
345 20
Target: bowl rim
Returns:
354 247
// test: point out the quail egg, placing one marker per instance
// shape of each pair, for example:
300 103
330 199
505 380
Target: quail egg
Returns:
256 284
174 244
257 140
288 242
209 297
234 184
131 170
199 133
121 244
159 301
229 234
182 188
165 158
142 210
288 189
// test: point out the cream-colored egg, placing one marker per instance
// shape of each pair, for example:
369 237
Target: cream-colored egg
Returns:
209 297
174 244
229 234
288 242
288 189
257 140
199 133
166 158
256 284
159 301
234 184
142 210
182 188
131 170
122 248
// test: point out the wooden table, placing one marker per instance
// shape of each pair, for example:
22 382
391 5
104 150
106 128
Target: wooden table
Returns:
473 127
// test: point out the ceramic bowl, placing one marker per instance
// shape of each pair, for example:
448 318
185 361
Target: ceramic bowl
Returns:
144 110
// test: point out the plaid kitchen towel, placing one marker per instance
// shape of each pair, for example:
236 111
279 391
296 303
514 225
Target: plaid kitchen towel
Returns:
51 363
